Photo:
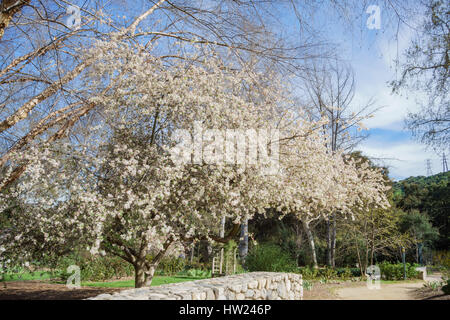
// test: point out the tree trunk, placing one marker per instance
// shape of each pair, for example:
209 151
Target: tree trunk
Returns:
328 250
311 243
333 241
243 243
149 275
417 252
139 275
361 269
222 227
7 10
192 253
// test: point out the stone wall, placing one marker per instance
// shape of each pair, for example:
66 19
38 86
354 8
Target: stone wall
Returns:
247 286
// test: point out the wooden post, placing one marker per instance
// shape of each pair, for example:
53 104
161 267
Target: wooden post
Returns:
226 263
221 261
234 261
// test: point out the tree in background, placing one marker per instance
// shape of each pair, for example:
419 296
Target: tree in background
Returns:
330 90
374 230
426 67
419 227
431 197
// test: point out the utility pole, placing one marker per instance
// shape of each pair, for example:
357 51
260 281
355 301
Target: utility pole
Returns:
444 163
429 172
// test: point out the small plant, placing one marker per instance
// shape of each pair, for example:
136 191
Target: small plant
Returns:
198 273
432 285
307 285
446 287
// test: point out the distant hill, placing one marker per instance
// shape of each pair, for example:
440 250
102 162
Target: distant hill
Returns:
440 178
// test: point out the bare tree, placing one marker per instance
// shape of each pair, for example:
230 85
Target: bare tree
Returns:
330 91
426 68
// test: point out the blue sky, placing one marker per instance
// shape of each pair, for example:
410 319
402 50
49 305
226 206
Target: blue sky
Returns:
372 53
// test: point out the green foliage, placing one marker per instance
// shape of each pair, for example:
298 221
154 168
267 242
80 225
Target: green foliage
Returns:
171 266
391 271
430 196
307 285
418 225
432 285
446 288
442 259
96 268
198 273
22 274
196 264
328 273
270 257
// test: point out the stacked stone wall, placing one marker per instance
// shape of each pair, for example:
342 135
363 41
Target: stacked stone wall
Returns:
246 286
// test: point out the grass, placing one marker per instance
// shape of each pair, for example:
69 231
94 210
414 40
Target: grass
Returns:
157 281
24 276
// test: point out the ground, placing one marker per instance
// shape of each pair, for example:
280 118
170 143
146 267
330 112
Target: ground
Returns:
389 290
399 290
46 290
40 290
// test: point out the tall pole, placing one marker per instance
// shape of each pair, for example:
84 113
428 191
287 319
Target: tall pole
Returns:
444 163
429 172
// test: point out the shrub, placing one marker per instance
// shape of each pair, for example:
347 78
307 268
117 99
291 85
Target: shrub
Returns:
198 273
446 287
391 271
328 273
309 273
269 257
442 259
171 266
96 268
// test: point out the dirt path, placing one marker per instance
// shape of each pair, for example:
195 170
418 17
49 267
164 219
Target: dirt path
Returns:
40 290
395 291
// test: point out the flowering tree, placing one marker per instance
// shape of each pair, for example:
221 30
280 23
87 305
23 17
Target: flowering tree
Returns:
316 183
119 191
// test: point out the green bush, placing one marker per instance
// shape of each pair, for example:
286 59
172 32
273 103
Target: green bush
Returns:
328 273
171 265
96 268
269 257
446 288
391 271
347 273
198 273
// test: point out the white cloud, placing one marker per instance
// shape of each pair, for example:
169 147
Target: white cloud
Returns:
404 159
394 108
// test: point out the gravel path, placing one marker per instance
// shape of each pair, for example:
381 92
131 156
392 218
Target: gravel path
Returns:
396 291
